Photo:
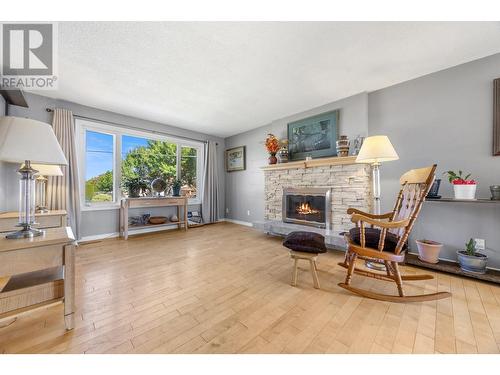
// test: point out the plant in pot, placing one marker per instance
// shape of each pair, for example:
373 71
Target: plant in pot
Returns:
135 186
176 188
272 146
463 187
428 251
470 260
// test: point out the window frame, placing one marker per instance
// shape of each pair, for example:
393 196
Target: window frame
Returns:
82 125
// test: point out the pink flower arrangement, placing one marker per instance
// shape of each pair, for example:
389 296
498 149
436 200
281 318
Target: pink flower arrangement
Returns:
457 179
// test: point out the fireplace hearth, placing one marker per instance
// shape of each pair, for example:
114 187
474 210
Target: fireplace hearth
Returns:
307 206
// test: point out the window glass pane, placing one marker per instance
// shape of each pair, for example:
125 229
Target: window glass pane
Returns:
189 157
143 160
99 167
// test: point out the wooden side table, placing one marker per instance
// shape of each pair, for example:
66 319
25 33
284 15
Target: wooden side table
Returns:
28 259
144 202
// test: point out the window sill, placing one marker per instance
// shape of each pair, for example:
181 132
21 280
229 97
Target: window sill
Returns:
107 207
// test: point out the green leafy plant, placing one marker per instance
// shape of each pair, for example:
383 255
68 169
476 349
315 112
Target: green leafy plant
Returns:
177 184
470 247
459 179
135 186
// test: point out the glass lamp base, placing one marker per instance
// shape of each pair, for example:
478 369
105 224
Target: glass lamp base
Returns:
26 232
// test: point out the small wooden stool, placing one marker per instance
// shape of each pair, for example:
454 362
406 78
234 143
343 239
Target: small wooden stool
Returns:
306 246
296 255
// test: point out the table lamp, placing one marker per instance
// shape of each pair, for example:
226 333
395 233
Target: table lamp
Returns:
376 150
25 140
44 170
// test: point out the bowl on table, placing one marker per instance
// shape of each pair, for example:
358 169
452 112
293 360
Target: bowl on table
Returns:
158 219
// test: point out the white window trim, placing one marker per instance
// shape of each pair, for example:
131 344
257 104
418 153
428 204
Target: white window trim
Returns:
117 132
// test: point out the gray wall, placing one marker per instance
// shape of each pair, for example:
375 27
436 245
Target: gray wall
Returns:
93 222
245 189
443 118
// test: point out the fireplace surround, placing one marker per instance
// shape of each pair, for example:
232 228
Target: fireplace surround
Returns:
307 206
349 184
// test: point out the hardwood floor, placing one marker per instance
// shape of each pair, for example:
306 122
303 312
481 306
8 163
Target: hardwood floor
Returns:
225 288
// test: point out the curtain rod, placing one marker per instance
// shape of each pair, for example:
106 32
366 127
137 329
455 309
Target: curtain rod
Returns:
135 128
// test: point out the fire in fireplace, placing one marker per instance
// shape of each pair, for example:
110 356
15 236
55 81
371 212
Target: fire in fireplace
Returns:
307 206
306 209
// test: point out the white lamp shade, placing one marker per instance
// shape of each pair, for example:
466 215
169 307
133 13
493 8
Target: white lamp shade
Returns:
24 139
47 169
376 149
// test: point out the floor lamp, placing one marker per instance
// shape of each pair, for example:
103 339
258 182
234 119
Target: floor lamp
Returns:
376 150
25 140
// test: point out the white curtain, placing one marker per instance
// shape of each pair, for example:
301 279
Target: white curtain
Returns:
210 204
63 193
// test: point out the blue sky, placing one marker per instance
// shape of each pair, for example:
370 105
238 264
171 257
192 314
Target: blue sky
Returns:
100 151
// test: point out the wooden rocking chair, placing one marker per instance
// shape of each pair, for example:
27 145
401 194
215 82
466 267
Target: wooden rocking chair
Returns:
387 245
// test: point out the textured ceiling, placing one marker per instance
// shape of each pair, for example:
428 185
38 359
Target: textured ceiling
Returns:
223 78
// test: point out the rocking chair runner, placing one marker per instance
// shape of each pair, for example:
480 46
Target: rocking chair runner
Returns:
388 242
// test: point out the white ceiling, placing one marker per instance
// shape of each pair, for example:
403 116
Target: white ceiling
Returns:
224 78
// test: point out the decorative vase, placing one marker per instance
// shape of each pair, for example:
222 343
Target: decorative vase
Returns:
495 192
134 192
472 263
273 159
428 251
343 146
465 191
283 152
176 191
433 192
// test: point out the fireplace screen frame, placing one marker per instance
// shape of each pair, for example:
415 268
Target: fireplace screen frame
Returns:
321 192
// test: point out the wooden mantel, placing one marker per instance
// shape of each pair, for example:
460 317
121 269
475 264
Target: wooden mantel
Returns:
336 160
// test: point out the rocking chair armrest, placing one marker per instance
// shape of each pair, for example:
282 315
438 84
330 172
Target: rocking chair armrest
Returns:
379 223
351 211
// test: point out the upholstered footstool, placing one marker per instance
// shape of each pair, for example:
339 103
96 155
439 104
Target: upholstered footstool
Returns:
305 246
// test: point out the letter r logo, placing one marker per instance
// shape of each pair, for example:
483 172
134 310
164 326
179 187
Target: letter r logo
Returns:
27 49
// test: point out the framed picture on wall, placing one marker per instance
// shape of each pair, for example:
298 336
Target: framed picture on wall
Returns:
314 136
235 159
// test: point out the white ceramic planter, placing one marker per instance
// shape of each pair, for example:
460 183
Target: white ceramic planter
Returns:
428 251
465 191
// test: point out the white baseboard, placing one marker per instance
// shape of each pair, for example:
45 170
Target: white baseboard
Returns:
239 222
104 236
98 237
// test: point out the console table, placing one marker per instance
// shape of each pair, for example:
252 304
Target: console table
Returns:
27 264
144 202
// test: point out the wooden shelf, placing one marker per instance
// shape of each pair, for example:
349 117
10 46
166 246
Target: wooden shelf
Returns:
337 160
130 227
452 267
453 200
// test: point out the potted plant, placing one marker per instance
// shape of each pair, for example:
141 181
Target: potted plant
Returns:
463 187
272 146
428 251
470 260
135 186
176 188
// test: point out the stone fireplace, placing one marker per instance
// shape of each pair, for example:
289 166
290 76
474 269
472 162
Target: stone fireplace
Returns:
306 206
336 183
